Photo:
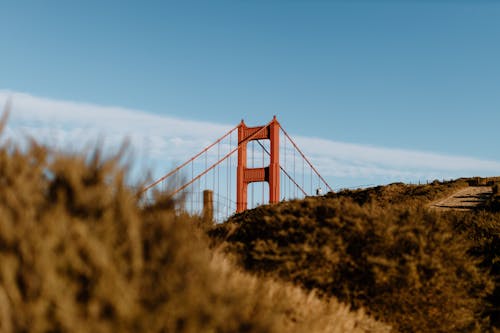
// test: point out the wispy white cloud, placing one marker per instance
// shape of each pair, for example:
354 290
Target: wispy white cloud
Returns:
71 125
162 140
349 159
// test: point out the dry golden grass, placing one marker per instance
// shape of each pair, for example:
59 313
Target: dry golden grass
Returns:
416 269
79 253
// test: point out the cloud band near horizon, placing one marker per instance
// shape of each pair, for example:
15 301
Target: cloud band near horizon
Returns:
160 141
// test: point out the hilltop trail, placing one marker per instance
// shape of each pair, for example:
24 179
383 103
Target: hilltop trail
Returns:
464 199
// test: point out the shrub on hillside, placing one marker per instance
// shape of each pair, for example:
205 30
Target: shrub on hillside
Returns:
493 203
405 265
482 228
399 193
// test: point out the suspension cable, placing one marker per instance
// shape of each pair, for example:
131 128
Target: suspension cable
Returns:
286 173
307 160
249 138
187 162
228 157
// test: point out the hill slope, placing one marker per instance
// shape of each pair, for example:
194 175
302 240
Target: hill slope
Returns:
381 249
468 198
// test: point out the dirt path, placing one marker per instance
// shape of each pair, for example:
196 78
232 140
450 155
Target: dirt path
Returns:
464 199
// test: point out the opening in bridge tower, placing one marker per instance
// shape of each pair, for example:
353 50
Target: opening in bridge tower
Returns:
269 174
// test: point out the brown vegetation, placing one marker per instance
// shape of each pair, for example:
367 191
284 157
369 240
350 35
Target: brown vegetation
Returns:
402 194
78 253
494 202
383 250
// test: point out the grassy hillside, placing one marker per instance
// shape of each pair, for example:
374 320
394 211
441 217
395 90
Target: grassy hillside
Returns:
381 249
403 194
79 253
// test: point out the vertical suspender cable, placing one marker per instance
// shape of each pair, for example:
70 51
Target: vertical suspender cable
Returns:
200 196
294 176
284 142
206 167
303 175
263 183
213 186
230 171
311 181
290 189
227 179
253 165
282 188
218 180
192 187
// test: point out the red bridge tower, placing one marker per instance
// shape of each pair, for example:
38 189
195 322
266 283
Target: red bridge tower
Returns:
269 174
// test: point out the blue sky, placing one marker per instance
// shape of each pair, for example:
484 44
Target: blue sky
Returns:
411 76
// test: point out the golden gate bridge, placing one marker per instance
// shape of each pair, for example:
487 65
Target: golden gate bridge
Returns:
244 168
